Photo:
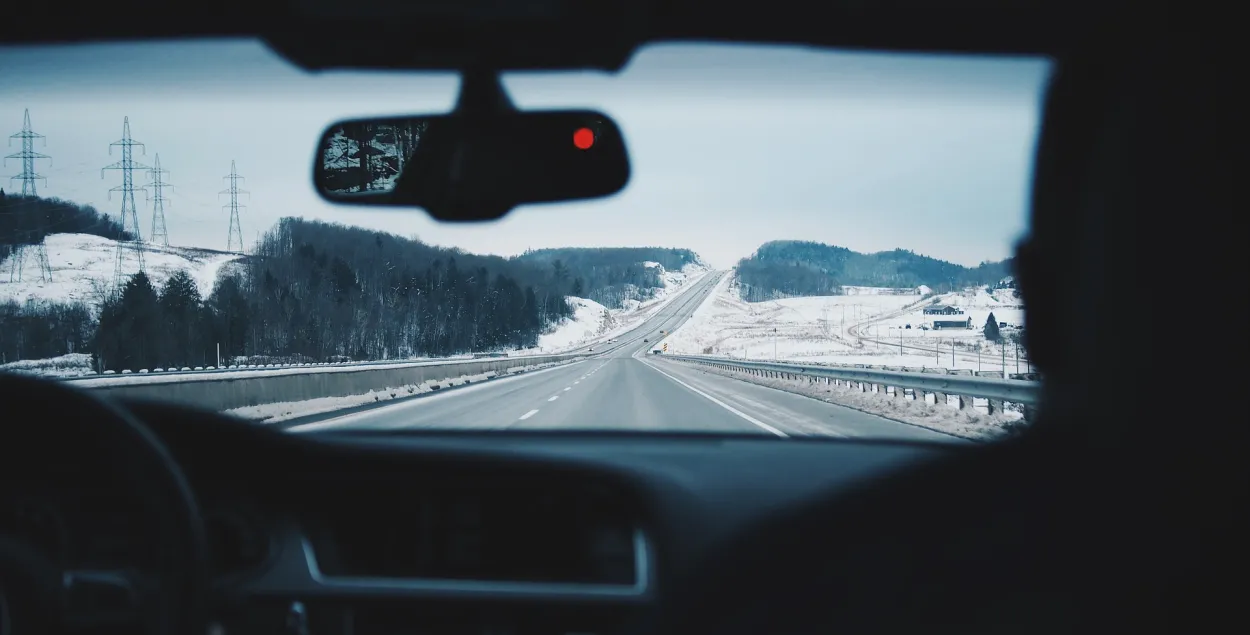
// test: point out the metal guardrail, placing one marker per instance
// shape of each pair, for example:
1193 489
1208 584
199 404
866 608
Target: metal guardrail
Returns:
209 373
1010 390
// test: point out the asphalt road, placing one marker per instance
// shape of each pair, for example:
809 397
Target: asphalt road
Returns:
629 389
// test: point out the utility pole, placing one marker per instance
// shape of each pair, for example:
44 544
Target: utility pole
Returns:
130 214
774 343
158 185
234 240
29 177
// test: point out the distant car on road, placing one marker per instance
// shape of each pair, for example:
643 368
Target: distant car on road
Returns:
646 339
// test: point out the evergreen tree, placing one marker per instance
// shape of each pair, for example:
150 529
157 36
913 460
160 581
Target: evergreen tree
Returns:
991 329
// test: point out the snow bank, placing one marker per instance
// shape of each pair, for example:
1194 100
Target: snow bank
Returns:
72 365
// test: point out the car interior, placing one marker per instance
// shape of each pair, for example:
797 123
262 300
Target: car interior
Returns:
1114 511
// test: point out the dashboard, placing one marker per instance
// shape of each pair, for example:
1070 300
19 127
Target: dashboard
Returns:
385 532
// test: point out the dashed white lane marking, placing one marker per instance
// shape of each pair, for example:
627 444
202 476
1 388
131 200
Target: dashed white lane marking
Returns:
554 397
528 415
720 403
576 383
568 389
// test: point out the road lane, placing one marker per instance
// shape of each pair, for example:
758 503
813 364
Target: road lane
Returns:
623 393
497 403
627 388
793 414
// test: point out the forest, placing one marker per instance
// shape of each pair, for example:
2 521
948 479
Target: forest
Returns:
315 291
611 276
780 269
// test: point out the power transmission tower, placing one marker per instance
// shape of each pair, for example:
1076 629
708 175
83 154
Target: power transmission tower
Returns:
28 178
158 185
234 241
130 213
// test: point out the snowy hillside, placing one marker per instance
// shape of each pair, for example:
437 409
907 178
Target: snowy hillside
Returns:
83 265
865 326
594 322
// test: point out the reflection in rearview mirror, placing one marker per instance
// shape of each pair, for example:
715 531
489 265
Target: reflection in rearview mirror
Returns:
367 156
478 168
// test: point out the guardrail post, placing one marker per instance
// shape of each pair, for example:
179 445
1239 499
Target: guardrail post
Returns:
992 405
962 401
1029 410
939 398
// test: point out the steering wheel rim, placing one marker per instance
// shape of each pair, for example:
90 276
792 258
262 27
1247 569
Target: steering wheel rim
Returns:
176 601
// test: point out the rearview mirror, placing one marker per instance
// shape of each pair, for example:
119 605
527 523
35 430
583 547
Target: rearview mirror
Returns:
472 167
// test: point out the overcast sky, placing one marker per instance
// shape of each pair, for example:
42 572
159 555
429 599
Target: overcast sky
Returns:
731 146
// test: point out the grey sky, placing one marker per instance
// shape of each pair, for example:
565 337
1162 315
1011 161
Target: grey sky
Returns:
731 146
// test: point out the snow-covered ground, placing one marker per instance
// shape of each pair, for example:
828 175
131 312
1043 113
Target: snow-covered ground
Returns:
867 325
83 267
592 322
71 365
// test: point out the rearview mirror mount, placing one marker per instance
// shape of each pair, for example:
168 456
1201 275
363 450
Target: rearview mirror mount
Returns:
476 163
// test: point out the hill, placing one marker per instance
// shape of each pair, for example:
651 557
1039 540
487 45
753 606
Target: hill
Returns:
788 268
616 277
26 220
83 267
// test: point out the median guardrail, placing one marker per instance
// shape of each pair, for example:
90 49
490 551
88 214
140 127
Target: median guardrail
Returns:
230 390
940 382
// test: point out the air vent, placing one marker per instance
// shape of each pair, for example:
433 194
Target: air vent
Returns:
526 533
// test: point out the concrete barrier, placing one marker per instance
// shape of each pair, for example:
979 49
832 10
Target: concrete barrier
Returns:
227 391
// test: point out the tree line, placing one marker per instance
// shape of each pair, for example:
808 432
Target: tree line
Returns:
790 268
27 220
611 276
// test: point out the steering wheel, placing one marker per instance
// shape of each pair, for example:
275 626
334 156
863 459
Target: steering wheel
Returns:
38 596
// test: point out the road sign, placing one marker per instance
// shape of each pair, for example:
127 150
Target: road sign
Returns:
665 347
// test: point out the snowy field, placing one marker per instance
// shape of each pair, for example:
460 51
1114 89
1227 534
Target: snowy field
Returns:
865 326
83 266
593 323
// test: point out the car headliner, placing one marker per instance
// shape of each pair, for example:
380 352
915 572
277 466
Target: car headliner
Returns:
565 34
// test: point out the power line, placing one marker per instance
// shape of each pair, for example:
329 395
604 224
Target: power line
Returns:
234 240
130 213
158 185
29 178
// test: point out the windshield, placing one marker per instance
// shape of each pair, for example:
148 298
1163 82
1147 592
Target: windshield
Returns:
807 241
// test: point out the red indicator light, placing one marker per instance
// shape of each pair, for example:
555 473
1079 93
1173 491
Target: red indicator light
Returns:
583 138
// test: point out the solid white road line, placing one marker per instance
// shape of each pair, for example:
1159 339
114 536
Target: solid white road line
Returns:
720 403
528 415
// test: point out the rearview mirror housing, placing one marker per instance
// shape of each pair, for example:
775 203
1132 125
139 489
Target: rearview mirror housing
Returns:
472 166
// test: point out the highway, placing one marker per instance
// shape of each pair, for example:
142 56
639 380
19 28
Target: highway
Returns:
627 388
